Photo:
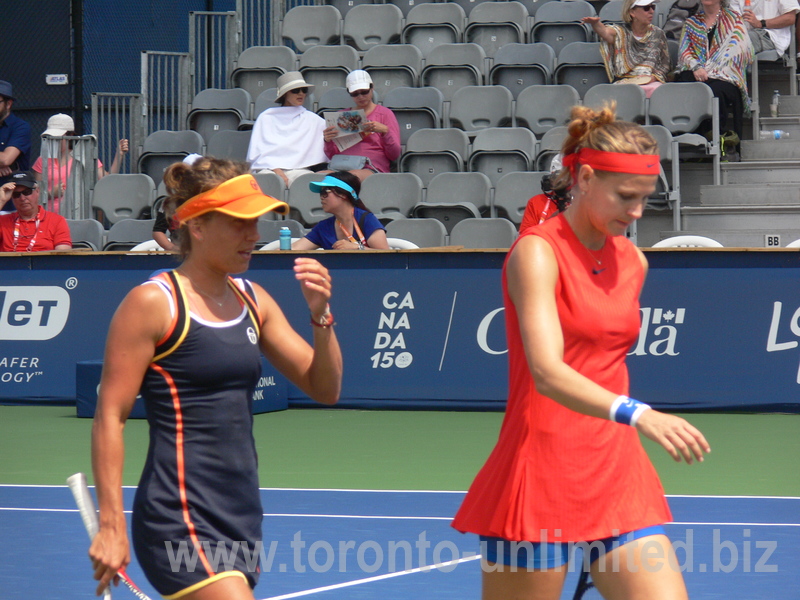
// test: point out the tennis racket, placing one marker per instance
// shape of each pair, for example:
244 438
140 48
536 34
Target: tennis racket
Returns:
80 491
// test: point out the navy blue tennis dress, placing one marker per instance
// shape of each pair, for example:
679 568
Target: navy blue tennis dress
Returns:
199 488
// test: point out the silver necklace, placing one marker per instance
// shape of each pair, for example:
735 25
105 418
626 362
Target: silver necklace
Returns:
197 289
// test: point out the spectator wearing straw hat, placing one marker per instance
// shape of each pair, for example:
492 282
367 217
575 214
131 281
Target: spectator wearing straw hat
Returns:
30 228
380 141
287 139
15 136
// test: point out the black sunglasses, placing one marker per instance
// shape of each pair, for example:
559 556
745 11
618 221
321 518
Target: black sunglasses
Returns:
325 191
299 90
25 192
360 93
649 7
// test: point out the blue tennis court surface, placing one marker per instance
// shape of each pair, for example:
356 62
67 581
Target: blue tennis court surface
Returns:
350 544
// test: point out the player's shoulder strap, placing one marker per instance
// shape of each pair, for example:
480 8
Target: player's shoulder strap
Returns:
179 325
247 296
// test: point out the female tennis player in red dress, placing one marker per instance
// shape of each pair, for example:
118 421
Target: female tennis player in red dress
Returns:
190 340
568 465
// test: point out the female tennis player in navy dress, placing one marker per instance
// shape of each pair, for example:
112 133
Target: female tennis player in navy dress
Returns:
190 340
568 466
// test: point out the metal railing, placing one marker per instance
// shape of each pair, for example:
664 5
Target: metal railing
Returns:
116 117
69 174
166 81
214 46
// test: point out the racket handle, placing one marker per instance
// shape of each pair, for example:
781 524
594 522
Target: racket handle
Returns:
83 498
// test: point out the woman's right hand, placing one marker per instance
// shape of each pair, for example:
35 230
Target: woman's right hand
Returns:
6 191
700 74
678 437
109 554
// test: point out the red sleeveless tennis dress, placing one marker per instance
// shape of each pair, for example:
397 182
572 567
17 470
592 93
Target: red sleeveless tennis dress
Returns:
557 475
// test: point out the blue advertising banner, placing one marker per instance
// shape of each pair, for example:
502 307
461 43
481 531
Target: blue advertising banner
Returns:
720 329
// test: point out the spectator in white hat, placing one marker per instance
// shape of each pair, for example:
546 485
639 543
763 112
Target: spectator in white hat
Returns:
380 141
287 139
59 163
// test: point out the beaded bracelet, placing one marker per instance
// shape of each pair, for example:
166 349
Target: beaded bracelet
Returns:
626 410
326 320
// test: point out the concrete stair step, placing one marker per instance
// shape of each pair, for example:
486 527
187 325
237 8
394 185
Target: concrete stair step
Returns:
765 218
750 195
743 239
790 105
761 171
787 123
771 150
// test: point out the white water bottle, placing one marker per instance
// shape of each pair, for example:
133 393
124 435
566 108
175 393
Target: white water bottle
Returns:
774 107
774 134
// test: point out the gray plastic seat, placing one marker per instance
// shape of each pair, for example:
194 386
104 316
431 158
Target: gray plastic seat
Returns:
391 196
415 108
345 6
667 194
630 100
688 241
393 66
432 24
473 191
611 12
369 25
307 26
334 99
86 233
272 185
216 110
512 192
542 107
469 5
550 144
304 204
500 150
163 148
517 66
534 5
229 144
433 151
425 233
127 233
483 233
475 108
581 66
123 196
259 67
450 67
327 67
559 23
492 25
269 230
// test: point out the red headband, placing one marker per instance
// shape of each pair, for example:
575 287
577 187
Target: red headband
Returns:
616 162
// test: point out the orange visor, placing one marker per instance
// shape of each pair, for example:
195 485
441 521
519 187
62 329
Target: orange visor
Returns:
239 197
616 162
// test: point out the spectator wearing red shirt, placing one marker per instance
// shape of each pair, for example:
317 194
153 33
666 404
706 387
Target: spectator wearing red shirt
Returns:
30 228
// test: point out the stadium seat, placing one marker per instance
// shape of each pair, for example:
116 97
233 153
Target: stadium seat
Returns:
415 108
393 66
370 25
345 6
630 100
433 151
534 5
611 12
326 67
400 244
304 205
549 145
469 5
559 23
391 196
425 233
123 196
259 67
307 26
269 230
517 66
272 185
216 110
406 5
492 25
581 66
229 144
473 191
475 108
688 241
512 192
667 194
483 233
86 233
127 233
163 148
542 107
334 99
432 24
500 150
450 67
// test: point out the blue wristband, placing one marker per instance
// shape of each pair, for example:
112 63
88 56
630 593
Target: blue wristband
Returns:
626 410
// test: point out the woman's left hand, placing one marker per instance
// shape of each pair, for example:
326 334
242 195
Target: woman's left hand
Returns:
701 74
345 245
315 282
375 127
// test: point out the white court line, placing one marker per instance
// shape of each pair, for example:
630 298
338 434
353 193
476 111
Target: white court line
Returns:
339 586
736 524
449 325
405 518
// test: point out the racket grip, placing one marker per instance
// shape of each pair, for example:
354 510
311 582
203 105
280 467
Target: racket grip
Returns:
83 498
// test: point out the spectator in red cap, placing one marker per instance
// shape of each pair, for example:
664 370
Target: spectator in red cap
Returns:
30 228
